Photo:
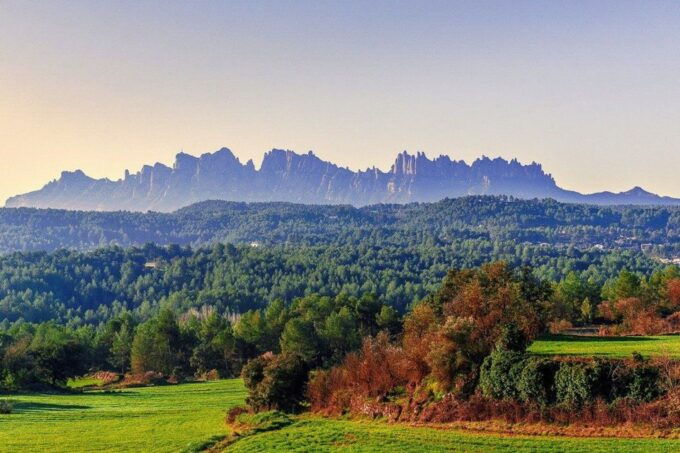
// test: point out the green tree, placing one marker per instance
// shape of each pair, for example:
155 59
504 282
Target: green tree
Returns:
58 354
300 338
340 334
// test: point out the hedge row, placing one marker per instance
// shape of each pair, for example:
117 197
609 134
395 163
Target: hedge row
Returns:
517 376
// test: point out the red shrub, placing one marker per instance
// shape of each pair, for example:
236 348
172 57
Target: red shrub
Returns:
559 325
673 292
673 323
634 318
373 372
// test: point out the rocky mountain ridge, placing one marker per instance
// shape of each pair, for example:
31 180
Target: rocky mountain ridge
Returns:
304 178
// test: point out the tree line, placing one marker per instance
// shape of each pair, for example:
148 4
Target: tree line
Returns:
319 329
89 288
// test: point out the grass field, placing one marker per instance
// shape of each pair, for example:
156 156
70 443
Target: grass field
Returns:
325 435
607 346
170 418
160 419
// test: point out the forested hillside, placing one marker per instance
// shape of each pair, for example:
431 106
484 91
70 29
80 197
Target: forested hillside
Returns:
239 256
491 219
90 287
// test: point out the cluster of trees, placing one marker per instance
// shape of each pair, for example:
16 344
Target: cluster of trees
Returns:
462 356
445 338
495 219
641 306
33 357
631 301
317 329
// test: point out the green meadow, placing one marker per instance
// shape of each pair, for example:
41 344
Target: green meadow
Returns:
329 435
607 346
163 419
177 418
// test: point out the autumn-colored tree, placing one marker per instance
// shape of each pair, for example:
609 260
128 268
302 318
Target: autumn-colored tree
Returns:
673 293
492 297
420 333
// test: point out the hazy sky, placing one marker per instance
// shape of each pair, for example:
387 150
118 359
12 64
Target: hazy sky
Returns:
589 89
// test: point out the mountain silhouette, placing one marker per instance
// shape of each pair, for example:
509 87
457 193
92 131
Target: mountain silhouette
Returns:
304 178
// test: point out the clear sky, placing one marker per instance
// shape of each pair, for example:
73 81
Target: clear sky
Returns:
589 89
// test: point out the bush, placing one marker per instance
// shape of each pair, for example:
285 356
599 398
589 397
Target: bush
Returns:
234 412
576 383
212 375
142 380
537 381
644 384
500 374
558 326
253 371
276 382
6 407
512 338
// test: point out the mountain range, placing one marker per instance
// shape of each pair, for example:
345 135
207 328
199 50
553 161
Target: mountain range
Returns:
304 178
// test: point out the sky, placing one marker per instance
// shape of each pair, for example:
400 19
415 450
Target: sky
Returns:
587 88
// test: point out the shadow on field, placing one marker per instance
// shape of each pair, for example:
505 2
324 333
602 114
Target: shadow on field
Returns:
29 406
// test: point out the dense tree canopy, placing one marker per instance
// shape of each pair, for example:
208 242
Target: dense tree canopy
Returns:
92 287
493 220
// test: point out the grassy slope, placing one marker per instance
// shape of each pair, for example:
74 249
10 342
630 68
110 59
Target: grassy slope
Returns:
144 419
167 419
320 435
607 346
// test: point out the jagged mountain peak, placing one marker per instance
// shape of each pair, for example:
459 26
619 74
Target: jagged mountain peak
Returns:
184 160
285 175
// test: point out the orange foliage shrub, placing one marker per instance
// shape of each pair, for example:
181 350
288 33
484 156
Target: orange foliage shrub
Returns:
634 318
211 375
142 379
559 325
673 292
107 377
373 372
647 322
420 332
673 323
235 412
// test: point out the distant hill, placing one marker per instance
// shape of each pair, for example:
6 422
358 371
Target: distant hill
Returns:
304 178
656 230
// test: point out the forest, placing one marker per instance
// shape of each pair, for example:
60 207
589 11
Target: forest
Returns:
79 288
84 268
492 219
